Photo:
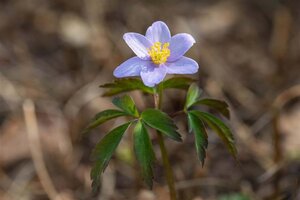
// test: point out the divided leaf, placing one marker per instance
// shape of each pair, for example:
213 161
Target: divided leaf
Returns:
218 105
126 104
201 142
161 122
177 83
192 95
144 152
220 128
125 85
103 152
102 117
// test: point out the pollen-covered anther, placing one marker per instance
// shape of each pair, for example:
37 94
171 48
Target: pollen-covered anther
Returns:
159 53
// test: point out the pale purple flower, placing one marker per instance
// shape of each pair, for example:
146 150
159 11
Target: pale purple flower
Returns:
157 54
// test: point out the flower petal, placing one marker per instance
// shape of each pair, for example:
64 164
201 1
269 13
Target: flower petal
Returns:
139 44
158 32
179 44
182 66
131 67
153 75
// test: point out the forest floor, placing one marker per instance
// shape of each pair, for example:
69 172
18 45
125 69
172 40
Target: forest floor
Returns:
54 54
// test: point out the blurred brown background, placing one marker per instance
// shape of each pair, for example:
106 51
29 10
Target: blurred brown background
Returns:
57 52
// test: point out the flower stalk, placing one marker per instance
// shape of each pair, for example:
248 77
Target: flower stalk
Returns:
164 153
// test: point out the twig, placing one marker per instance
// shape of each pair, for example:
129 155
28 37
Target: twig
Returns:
36 150
281 100
207 182
108 185
9 92
20 182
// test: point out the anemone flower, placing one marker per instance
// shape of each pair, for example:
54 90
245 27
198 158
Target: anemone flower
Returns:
157 54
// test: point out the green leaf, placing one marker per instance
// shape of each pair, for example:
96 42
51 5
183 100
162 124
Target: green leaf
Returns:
177 83
125 85
220 106
144 152
126 104
220 128
192 96
103 152
197 126
161 122
102 117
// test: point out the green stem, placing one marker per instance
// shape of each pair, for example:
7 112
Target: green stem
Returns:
164 154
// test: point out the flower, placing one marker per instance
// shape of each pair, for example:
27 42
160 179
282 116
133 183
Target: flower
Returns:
157 54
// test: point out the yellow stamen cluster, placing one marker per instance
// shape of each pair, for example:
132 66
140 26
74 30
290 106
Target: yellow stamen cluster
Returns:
159 53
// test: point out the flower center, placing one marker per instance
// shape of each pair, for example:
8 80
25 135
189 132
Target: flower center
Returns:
159 53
